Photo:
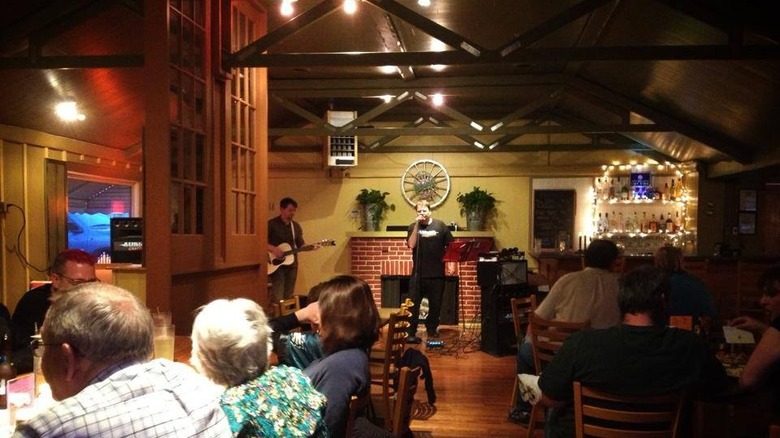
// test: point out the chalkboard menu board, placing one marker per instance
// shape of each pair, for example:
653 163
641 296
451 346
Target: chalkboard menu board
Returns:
554 215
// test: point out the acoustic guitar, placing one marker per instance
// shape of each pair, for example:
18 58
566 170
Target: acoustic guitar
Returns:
288 254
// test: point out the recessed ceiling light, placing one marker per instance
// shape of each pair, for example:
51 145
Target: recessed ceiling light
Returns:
350 6
286 8
438 99
438 67
68 111
388 69
424 3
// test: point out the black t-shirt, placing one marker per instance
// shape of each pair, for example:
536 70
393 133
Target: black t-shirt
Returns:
431 244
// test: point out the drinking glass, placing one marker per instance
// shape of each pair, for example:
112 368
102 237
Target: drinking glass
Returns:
163 341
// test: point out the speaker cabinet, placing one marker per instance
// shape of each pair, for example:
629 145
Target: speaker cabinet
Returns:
499 283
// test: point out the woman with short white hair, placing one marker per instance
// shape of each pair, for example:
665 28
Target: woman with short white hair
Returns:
230 346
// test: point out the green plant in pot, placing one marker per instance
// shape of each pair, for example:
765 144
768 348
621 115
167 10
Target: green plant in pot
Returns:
476 205
374 207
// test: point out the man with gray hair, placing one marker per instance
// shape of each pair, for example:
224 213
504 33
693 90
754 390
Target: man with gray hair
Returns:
96 344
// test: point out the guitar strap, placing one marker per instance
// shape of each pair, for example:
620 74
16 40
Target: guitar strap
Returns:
292 227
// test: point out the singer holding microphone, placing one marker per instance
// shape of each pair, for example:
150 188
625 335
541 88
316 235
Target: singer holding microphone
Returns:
428 239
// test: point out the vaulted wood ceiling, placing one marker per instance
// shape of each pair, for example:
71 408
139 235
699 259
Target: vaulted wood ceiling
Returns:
673 80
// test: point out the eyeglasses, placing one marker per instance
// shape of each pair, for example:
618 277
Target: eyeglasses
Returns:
36 344
77 281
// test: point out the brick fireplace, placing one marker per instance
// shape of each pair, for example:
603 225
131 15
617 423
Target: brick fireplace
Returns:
374 254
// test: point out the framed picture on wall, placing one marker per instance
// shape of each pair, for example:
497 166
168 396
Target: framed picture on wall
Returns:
747 223
747 200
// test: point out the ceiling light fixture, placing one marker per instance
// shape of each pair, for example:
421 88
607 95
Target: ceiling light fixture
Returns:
287 8
388 69
68 111
350 6
438 67
437 99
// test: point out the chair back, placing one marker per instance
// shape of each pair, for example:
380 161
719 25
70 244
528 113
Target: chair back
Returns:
384 362
521 309
602 414
289 305
547 336
404 401
357 405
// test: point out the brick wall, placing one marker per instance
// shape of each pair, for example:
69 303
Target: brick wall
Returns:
372 257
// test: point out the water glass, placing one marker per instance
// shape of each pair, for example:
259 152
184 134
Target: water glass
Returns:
163 341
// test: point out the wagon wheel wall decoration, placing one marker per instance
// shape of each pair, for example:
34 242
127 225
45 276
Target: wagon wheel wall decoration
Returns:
425 180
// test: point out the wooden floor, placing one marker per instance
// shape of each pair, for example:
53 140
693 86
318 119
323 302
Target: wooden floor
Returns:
473 391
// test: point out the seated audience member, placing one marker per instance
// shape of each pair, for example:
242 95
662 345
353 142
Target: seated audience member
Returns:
640 356
96 345
689 296
71 267
587 295
348 323
763 367
230 345
299 349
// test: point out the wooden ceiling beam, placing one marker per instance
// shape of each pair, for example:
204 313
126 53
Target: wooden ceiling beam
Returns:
415 149
579 128
547 27
526 55
741 153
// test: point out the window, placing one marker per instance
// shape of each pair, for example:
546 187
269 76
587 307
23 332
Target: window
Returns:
243 148
91 205
188 116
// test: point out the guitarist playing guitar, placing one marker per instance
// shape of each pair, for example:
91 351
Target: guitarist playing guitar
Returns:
283 229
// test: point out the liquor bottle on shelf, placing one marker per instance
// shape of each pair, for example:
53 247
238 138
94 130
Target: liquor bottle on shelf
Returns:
605 225
670 228
621 226
611 194
613 223
653 226
677 222
600 224
624 191
643 228
597 188
661 224
667 194
672 192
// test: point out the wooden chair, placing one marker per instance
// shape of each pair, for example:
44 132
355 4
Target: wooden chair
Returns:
357 406
404 401
601 414
384 362
547 336
521 310
748 292
289 305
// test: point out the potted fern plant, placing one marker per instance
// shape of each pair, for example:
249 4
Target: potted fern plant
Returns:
476 205
374 206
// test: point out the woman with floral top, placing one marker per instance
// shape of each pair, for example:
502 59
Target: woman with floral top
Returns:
230 345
